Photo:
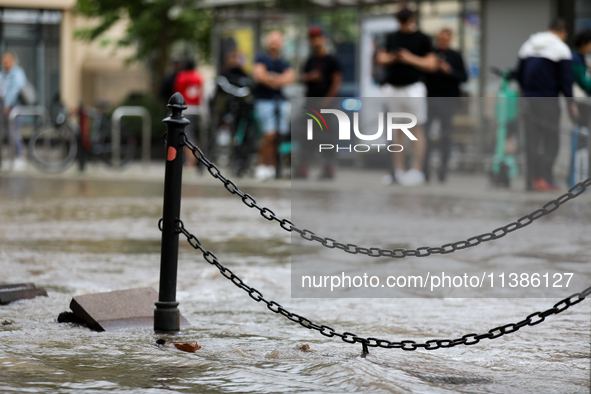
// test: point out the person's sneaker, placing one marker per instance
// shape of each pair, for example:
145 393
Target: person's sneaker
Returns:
412 177
542 185
260 172
398 175
301 172
553 187
20 164
270 172
328 172
387 179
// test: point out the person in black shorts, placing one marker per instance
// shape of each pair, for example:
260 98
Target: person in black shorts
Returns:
323 75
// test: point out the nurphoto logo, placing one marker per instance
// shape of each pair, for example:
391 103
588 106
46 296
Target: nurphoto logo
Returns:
391 119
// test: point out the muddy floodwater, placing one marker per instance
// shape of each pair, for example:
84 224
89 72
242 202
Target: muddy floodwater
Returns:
80 236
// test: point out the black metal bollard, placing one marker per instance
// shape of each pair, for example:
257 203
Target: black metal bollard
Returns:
167 315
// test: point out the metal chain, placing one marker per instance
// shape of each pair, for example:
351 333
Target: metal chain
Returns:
422 251
349 337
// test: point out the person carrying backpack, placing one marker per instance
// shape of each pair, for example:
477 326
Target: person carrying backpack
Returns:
544 72
12 81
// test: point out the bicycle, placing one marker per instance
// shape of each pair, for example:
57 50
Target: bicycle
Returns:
54 148
504 166
235 123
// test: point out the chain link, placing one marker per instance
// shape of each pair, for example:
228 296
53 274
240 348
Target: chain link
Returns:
422 251
468 339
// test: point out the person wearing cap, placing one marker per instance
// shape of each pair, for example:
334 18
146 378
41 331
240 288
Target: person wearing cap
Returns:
271 73
323 76
323 73
407 55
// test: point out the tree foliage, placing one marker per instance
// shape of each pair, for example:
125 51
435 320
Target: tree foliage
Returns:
153 27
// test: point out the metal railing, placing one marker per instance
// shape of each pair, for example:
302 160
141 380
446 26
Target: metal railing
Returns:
136 111
167 315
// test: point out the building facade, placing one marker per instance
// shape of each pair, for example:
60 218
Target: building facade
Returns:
41 34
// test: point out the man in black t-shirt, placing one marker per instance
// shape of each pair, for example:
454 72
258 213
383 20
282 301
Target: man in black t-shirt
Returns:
443 90
407 55
323 75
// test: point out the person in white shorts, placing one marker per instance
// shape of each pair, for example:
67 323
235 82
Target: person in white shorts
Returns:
407 55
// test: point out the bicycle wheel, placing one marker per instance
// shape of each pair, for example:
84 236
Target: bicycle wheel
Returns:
53 148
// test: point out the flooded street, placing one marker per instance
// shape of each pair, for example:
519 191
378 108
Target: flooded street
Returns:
81 236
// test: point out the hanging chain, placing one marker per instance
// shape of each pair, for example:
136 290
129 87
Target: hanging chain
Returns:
422 251
349 337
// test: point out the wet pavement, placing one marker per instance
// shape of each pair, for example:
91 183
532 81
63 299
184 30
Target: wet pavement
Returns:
74 234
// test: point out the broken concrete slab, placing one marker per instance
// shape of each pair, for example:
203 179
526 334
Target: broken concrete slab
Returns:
19 291
118 310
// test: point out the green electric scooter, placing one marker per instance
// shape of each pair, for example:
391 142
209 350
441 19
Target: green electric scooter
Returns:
504 166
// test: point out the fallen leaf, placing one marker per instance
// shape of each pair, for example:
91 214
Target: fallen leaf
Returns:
304 348
190 347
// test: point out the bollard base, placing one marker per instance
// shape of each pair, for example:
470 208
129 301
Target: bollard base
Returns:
364 350
167 317
119 310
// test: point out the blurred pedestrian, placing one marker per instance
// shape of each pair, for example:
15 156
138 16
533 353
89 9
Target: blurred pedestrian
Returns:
271 73
12 81
167 85
189 83
443 90
544 71
233 69
408 54
582 48
323 76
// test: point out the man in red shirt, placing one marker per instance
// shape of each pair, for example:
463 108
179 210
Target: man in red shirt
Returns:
189 83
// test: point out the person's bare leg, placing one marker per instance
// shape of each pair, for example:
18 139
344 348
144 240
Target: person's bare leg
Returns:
420 147
267 155
191 160
399 158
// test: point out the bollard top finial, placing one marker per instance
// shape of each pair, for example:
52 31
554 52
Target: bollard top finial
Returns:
177 101
177 104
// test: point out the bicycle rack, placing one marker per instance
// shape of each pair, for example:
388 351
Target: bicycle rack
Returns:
22 110
119 113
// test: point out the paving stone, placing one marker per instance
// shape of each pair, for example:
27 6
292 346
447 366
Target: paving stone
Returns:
19 291
117 310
